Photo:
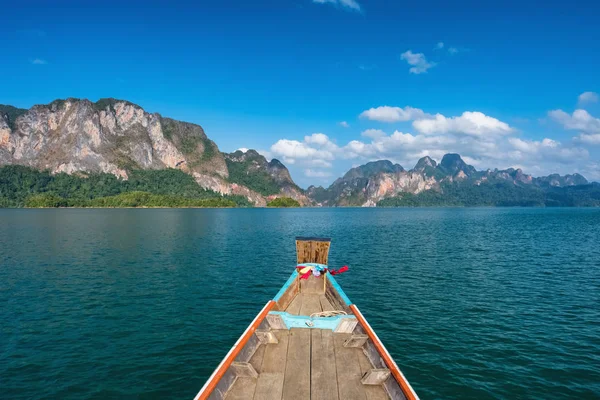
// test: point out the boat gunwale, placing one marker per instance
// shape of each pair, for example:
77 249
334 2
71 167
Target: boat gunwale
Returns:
218 373
405 386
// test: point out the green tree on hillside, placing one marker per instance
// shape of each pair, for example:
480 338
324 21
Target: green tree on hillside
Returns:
283 202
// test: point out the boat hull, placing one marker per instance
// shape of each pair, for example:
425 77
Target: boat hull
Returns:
309 341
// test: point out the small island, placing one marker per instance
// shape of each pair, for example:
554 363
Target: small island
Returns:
283 202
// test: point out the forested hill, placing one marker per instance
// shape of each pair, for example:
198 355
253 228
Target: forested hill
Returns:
452 182
27 187
498 194
110 136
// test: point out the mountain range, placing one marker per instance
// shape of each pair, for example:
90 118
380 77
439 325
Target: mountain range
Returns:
82 138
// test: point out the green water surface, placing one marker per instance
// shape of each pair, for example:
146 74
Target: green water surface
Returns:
143 304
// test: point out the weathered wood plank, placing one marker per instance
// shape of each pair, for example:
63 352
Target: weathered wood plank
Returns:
224 386
356 341
296 385
334 298
348 370
325 304
243 389
312 285
294 307
248 350
269 386
243 370
320 252
392 388
323 382
316 251
288 296
266 336
275 321
310 304
303 251
346 325
372 392
376 376
373 355
257 358
276 354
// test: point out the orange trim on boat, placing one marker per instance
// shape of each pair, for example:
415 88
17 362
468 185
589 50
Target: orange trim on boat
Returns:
404 385
230 357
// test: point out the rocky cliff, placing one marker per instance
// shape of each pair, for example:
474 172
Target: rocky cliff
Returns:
271 179
368 184
115 136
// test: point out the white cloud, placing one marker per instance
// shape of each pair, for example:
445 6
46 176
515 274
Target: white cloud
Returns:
545 150
348 4
482 141
320 163
373 133
293 149
580 120
393 114
589 139
39 61
529 146
469 123
242 149
587 97
322 141
317 138
356 148
451 50
418 62
545 156
311 173
316 150
398 146
344 124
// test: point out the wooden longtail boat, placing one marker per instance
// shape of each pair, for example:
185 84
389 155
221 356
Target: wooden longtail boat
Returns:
309 342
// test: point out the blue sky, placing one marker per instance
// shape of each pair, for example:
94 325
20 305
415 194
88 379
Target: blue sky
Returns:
498 83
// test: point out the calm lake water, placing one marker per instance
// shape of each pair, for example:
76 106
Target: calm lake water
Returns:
143 304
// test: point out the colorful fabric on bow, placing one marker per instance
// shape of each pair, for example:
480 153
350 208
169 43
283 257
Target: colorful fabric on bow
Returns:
339 271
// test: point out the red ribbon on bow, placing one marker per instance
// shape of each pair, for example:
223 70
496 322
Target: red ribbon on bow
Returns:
339 271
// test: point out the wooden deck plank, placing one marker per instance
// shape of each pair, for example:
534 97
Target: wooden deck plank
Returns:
372 392
258 357
325 304
312 285
323 382
275 356
310 304
269 386
295 305
243 389
348 370
296 385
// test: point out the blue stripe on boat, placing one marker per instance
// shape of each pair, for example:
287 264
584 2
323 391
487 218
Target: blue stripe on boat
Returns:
338 288
286 285
299 321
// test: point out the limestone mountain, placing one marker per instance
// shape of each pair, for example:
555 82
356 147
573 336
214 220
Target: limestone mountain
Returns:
116 137
269 178
454 166
369 184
